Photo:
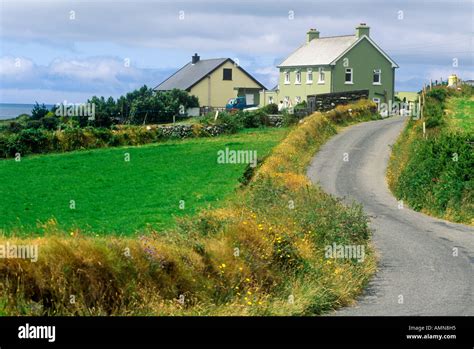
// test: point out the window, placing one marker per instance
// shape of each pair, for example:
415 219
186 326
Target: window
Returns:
287 78
309 76
377 80
298 78
287 101
298 99
227 74
270 100
249 99
321 76
348 76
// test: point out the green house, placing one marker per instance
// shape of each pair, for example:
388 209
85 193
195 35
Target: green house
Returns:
334 64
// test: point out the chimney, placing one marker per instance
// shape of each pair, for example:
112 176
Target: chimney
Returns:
362 29
195 58
312 34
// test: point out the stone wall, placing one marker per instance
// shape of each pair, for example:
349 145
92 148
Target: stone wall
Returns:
328 101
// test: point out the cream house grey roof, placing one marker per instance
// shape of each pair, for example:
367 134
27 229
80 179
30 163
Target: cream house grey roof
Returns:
321 51
190 74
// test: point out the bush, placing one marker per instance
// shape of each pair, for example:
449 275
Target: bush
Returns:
301 106
271 109
39 111
289 119
434 178
440 94
254 118
233 122
50 122
34 124
29 141
14 127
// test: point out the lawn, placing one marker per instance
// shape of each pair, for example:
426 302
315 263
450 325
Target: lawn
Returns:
112 195
461 113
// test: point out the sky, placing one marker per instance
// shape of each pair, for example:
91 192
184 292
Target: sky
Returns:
58 50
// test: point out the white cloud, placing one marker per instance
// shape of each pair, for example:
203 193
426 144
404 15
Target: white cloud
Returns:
97 75
104 70
11 67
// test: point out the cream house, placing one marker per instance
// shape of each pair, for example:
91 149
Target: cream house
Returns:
214 82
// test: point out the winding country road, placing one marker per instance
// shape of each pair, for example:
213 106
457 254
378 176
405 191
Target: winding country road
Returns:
415 251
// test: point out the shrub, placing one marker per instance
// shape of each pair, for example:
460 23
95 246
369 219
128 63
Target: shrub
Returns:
254 118
233 122
50 122
31 141
289 119
14 127
439 93
34 124
39 111
301 106
271 108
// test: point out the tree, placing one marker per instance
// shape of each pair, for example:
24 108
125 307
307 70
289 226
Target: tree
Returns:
39 111
160 107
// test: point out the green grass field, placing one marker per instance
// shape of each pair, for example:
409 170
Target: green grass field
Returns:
115 196
461 113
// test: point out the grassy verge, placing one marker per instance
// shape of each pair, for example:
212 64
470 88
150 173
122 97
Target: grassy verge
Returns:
114 196
460 114
433 174
263 253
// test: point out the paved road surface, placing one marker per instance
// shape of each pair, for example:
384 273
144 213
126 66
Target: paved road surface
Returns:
416 251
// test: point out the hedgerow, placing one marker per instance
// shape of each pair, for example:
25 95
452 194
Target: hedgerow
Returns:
433 173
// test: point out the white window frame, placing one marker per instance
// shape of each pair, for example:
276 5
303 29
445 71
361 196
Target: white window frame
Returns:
298 77
308 74
349 70
287 78
297 100
379 72
270 99
322 74
286 101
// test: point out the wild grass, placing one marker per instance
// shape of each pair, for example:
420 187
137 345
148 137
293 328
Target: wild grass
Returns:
460 114
263 253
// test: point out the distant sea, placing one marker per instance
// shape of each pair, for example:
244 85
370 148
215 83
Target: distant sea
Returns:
12 110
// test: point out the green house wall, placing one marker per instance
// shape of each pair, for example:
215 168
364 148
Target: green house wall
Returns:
363 59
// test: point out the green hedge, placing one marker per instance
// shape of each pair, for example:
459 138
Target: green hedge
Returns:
40 141
434 173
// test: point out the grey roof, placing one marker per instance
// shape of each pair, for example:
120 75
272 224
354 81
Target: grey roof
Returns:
190 74
321 51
